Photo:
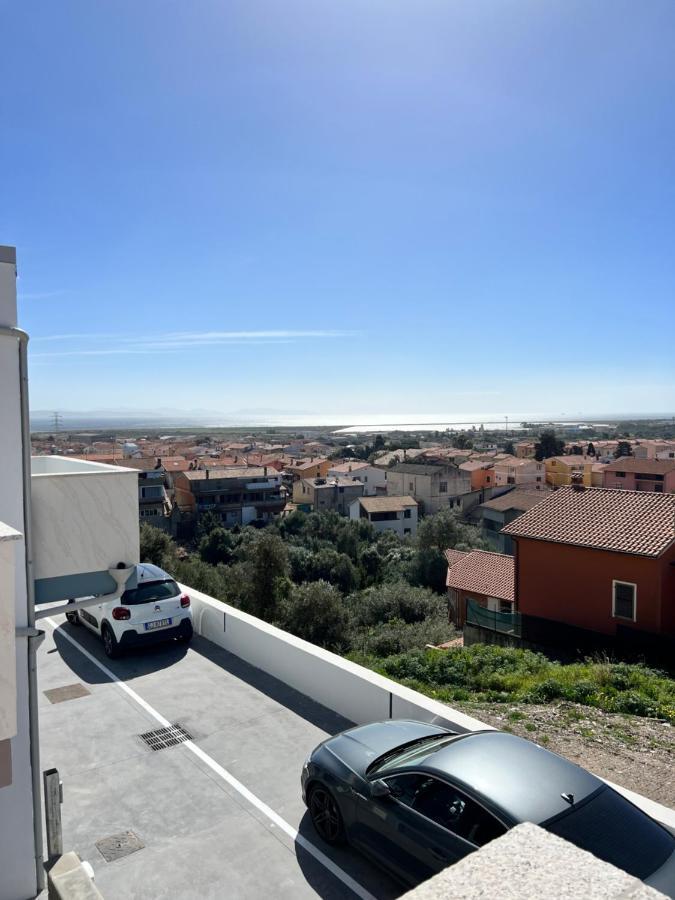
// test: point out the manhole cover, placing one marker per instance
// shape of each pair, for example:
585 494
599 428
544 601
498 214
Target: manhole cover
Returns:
119 845
165 737
67 692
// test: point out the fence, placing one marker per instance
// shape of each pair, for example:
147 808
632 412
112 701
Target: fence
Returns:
506 623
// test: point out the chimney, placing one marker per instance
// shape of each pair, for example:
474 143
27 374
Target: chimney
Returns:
265 471
577 481
207 474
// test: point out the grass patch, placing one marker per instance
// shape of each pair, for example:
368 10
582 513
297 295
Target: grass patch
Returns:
491 674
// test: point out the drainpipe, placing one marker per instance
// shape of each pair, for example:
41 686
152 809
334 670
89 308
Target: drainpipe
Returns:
30 632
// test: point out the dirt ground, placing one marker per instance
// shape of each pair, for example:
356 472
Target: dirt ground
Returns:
632 751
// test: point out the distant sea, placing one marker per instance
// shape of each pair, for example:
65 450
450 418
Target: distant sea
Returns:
339 424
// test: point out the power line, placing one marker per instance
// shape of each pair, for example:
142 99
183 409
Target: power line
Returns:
57 418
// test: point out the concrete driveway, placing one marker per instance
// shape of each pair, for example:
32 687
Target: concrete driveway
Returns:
220 815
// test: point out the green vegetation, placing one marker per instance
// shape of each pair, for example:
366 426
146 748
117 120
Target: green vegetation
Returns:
549 444
325 578
484 673
381 601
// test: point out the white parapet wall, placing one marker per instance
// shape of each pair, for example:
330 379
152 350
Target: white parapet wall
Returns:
353 691
85 521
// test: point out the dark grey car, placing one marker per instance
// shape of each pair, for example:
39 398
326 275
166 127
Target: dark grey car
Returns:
416 798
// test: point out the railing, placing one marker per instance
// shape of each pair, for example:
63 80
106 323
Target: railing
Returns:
506 623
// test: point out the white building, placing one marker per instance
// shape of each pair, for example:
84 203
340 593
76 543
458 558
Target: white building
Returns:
373 478
63 527
397 514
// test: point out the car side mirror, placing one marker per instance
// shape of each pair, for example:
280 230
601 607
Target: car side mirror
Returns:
379 788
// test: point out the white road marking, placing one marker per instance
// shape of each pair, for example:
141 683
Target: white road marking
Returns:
273 817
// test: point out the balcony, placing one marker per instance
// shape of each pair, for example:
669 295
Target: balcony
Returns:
85 521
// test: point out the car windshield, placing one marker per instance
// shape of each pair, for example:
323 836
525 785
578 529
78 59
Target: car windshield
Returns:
149 591
611 828
408 753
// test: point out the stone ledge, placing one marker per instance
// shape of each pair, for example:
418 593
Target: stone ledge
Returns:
69 880
529 863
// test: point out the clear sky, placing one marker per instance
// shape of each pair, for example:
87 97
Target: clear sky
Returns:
356 206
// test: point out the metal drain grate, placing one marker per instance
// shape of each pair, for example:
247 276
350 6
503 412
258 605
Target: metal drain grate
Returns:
165 737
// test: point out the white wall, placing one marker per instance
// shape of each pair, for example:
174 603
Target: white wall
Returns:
348 689
7 639
17 847
354 692
66 500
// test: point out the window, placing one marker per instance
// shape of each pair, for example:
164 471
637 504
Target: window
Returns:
447 807
411 486
613 829
623 600
406 513
538 477
620 474
443 487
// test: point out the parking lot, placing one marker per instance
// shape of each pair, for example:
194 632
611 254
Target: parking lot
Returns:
217 815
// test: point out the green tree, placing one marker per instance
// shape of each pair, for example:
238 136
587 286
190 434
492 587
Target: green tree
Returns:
509 448
377 605
548 445
217 546
429 568
590 450
206 522
623 448
267 560
577 450
316 613
463 441
156 547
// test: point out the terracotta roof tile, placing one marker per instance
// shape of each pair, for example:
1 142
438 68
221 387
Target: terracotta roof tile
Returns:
454 556
639 522
489 574
648 466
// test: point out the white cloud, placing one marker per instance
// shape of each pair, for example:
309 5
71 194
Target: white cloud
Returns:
119 345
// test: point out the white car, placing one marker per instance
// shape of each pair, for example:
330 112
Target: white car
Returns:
155 610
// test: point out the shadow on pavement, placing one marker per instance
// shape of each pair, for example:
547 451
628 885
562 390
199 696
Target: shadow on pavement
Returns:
328 886
131 665
276 690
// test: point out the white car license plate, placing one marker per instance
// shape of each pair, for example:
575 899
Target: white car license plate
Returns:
159 623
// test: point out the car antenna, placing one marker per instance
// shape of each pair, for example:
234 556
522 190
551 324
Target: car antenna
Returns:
569 798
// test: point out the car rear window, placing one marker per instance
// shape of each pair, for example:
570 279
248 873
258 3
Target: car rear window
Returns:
150 590
611 828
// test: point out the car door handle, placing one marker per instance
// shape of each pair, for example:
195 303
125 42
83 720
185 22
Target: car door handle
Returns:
438 854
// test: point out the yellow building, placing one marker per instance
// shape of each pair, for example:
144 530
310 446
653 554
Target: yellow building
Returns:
559 469
317 467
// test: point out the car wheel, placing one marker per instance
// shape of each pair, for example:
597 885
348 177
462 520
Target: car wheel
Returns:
185 636
110 645
325 815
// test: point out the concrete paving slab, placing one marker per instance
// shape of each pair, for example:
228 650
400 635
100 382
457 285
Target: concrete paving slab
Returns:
202 837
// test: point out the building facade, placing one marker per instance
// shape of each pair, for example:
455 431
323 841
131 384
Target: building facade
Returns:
326 494
373 478
433 487
633 474
598 560
481 577
521 472
398 514
239 495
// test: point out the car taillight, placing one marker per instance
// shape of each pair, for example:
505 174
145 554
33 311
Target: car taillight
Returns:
121 612
184 601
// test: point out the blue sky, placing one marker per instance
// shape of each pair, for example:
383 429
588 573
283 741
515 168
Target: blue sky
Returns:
353 207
